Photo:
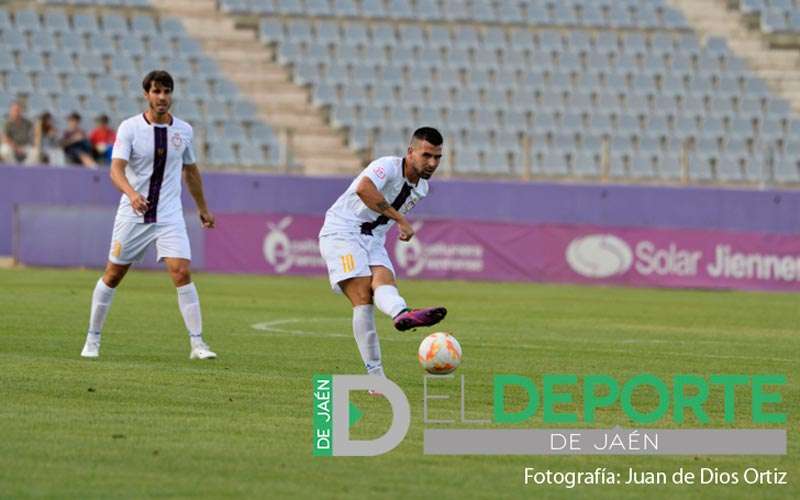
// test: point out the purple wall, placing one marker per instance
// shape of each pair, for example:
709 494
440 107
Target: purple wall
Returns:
80 236
499 251
769 211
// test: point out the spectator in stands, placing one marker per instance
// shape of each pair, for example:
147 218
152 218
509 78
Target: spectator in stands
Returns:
102 139
46 143
17 137
77 147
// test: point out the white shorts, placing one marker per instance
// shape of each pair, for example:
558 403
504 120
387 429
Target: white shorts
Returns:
351 255
131 239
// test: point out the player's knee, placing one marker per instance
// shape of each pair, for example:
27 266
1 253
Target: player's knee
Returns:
112 280
364 297
181 276
360 296
113 275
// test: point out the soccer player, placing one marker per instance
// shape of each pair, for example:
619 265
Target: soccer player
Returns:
353 236
151 152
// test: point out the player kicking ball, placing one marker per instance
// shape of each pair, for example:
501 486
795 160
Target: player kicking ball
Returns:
153 150
352 241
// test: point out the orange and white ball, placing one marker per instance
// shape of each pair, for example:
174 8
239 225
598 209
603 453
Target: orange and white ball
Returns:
439 353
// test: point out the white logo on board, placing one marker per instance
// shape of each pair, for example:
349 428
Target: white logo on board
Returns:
599 256
283 253
416 257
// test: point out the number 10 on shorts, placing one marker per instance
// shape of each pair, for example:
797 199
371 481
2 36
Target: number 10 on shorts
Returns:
348 263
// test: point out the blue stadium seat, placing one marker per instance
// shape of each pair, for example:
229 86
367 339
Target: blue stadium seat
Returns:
327 31
36 104
521 39
108 86
554 163
374 8
345 8
101 43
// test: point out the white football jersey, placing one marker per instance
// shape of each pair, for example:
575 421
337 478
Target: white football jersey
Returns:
350 215
156 155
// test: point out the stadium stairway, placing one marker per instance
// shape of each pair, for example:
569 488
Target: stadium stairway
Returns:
779 67
312 143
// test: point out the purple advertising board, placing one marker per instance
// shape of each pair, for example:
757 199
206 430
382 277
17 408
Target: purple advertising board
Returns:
558 253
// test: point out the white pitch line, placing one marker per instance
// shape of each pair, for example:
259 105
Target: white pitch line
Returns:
275 326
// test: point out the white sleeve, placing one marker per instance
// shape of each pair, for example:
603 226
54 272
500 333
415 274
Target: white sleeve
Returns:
189 157
378 172
124 142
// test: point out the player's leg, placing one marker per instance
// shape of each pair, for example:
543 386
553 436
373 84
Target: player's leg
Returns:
172 246
359 291
189 305
102 296
388 299
349 273
128 243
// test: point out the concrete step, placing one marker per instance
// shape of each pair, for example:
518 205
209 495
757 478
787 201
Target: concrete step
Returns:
765 63
315 129
248 58
262 76
189 7
320 165
777 66
276 89
779 74
743 44
212 44
304 141
791 87
222 38
200 13
270 96
294 120
286 106
321 130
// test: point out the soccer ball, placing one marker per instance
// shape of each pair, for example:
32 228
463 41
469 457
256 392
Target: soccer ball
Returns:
439 353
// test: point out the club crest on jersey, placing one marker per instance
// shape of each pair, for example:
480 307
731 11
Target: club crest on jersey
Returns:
176 139
380 172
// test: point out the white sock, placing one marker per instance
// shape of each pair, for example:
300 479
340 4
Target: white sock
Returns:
367 338
189 303
101 303
389 301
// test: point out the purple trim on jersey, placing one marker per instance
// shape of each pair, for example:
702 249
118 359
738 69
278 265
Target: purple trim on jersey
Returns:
171 119
159 162
402 196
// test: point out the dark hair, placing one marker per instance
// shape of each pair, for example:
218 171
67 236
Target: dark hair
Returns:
160 77
74 116
428 134
102 119
46 121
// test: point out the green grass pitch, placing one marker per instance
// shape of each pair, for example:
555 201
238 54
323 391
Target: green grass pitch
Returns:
144 421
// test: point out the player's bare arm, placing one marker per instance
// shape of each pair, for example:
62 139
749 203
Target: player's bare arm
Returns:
117 173
374 200
193 180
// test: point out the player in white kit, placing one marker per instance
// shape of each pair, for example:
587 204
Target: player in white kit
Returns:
352 241
153 150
